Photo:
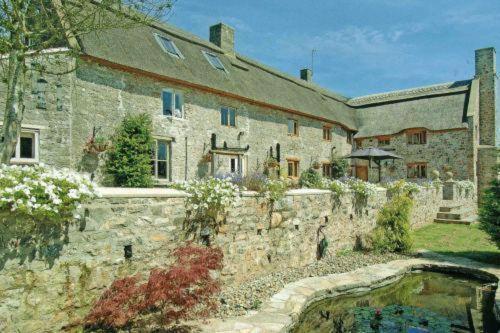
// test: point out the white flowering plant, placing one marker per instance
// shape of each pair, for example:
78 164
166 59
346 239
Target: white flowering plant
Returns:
210 197
402 187
42 194
337 187
361 189
274 190
465 187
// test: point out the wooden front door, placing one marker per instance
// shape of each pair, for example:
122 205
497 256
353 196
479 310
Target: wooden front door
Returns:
362 172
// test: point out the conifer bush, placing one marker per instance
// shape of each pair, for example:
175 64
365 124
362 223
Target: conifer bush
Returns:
392 233
489 211
129 159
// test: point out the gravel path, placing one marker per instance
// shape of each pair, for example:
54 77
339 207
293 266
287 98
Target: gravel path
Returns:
237 300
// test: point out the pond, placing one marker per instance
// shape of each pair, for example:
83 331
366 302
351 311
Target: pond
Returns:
419 302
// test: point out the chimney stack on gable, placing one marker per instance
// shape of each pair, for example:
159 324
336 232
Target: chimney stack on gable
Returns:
222 35
306 74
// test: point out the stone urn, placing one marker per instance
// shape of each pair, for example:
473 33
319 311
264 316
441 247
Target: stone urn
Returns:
448 176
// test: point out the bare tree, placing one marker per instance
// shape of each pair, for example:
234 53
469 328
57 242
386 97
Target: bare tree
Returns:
28 28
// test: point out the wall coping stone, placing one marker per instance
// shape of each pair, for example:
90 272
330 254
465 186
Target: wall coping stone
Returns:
281 312
126 192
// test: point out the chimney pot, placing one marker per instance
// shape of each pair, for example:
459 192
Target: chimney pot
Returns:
222 35
306 74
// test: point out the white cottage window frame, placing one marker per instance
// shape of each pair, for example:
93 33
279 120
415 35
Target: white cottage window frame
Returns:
34 135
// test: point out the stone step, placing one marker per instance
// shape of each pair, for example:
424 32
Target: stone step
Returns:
452 221
449 216
448 209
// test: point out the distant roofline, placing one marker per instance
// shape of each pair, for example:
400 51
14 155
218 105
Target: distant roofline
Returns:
398 95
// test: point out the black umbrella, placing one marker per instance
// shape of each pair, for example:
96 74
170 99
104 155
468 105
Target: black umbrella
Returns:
374 154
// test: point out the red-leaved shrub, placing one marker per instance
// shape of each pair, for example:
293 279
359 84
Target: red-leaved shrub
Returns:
184 291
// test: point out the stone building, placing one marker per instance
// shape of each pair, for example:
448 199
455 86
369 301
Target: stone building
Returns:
216 111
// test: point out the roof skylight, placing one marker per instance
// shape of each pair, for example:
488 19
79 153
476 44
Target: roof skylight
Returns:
168 46
214 61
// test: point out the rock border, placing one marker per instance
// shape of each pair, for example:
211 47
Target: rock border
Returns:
281 312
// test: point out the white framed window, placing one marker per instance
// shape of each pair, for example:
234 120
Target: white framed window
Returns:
27 148
169 46
214 61
160 159
173 103
228 117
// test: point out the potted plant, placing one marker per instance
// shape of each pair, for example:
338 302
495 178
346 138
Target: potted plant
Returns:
316 165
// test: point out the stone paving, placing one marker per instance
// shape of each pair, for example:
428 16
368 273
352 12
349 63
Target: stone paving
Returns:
280 313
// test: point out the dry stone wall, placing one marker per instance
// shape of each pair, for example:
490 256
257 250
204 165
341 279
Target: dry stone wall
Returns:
42 295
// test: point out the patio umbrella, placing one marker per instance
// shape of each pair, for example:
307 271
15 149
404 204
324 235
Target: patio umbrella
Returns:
374 154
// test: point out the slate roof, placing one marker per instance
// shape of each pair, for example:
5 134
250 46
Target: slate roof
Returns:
137 48
437 107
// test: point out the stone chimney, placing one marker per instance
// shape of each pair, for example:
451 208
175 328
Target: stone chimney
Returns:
489 117
222 35
306 74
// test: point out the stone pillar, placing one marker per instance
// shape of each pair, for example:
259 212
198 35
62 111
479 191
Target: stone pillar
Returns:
489 118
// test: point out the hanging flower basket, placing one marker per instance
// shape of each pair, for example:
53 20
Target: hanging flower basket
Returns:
207 158
316 165
96 145
271 163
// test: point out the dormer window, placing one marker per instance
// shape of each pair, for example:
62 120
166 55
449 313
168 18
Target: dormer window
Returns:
214 61
168 46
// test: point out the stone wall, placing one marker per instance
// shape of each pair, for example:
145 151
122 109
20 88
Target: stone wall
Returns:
451 148
41 295
103 96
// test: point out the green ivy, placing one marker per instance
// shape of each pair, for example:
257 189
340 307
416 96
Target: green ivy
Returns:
129 160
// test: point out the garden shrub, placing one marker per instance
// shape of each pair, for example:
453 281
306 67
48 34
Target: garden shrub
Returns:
41 194
392 233
310 179
338 188
129 159
402 187
340 166
362 190
489 211
275 189
465 188
184 291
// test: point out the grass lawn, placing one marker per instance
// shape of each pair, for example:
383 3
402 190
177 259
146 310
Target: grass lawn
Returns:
457 240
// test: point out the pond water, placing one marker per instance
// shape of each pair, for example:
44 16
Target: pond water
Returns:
420 302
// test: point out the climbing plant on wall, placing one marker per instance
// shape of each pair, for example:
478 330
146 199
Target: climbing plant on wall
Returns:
36 205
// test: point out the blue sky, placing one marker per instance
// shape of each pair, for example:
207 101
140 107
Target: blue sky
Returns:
363 46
